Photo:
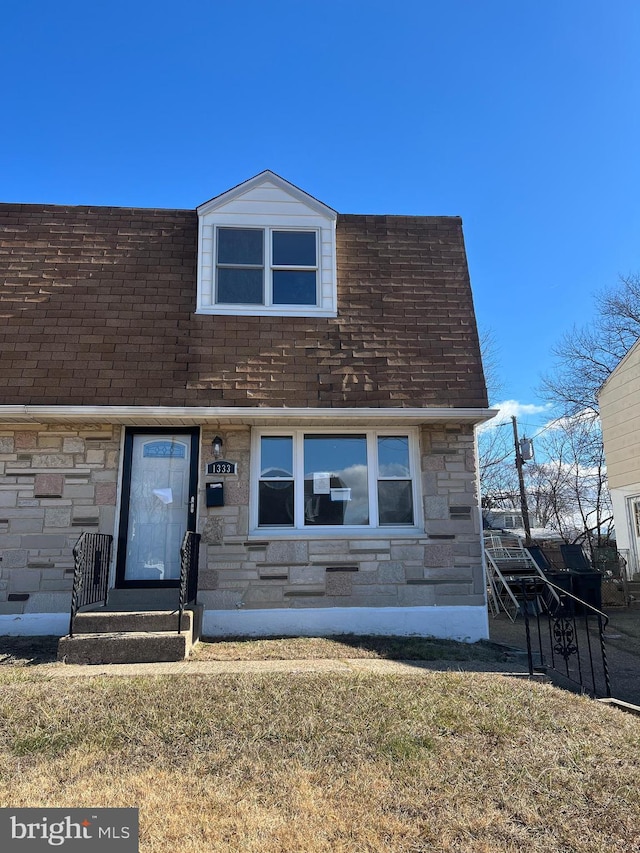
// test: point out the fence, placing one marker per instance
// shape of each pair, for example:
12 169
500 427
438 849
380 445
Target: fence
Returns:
91 560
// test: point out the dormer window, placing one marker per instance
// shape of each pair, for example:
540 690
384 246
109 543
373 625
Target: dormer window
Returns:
267 248
266 267
294 264
240 267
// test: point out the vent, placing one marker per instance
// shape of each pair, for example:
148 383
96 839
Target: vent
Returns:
349 568
459 513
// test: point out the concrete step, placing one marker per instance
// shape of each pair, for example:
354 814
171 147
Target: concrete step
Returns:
143 599
109 621
136 636
129 647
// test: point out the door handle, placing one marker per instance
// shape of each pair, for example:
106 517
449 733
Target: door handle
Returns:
192 504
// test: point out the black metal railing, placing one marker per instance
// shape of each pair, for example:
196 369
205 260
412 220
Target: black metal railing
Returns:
569 638
91 561
188 589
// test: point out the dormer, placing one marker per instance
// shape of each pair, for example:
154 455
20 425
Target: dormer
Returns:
266 248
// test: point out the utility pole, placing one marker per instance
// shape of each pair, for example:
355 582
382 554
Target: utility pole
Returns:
523 495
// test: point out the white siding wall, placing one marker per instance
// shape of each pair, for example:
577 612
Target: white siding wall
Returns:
271 206
620 414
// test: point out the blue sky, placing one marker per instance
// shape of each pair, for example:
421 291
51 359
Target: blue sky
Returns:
521 117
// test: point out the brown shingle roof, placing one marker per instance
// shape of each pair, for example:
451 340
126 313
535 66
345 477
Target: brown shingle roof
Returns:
97 308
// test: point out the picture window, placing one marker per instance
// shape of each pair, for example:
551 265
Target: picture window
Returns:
326 480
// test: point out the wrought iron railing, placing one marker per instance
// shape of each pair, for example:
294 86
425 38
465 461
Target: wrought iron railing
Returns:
91 561
188 589
569 638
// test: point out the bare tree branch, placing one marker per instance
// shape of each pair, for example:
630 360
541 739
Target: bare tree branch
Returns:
586 356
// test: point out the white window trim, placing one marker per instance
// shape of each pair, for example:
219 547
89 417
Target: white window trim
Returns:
299 530
268 268
327 305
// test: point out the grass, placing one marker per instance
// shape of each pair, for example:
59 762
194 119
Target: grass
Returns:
28 651
312 763
346 646
31 651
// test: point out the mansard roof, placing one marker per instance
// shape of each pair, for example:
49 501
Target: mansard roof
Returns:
97 307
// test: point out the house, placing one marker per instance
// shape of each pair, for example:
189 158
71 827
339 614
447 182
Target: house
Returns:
299 386
619 400
503 518
509 520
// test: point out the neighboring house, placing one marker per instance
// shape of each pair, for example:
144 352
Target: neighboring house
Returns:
335 356
511 520
620 416
503 518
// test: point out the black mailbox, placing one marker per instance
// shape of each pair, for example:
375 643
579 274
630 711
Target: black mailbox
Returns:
215 494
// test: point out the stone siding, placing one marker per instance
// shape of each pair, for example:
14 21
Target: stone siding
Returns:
59 480
440 567
56 481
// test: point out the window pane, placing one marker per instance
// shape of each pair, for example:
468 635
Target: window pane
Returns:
276 459
275 503
240 286
335 481
395 502
393 456
294 249
240 246
294 287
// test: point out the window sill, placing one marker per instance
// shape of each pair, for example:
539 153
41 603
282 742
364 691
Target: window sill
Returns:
298 311
263 533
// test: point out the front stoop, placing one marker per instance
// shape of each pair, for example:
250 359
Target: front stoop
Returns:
130 637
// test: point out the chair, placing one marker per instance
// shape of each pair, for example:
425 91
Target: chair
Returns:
514 579
574 558
540 558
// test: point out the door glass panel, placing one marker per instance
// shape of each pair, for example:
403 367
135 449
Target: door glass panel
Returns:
158 507
634 506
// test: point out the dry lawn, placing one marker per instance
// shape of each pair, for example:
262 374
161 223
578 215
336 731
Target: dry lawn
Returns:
304 763
346 646
31 651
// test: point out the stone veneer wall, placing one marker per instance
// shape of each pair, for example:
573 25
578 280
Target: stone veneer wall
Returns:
441 567
58 480
55 482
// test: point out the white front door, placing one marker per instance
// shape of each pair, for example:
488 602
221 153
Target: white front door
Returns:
633 506
158 506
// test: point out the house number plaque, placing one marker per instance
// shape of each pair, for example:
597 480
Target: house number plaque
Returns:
221 467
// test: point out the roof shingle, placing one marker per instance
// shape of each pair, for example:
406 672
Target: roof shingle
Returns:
97 308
